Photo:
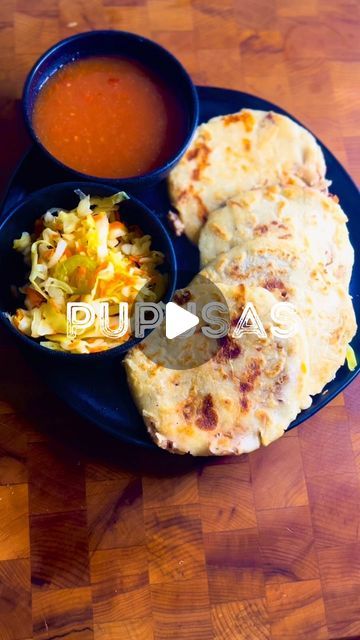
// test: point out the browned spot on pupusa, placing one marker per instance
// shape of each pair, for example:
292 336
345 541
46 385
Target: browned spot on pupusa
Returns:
192 154
202 211
175 380
249 376
245 117
244 404
201 154
263 417
247 385
182 194
246 144
275 283
182 297
219 231
229 349
336 336
234 270
260 229
188 409
279 385
270 117
239 297
208 417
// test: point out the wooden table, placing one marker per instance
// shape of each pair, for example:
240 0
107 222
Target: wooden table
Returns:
101 542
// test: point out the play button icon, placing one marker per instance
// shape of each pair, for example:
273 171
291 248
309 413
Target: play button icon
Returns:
178 320
186 319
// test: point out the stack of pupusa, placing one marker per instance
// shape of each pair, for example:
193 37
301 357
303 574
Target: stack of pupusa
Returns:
238 152
251 190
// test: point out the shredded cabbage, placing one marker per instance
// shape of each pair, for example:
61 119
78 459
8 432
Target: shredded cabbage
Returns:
23 243
80 193
351 358
83 208
84 255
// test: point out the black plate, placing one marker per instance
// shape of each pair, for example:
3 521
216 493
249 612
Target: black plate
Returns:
100 393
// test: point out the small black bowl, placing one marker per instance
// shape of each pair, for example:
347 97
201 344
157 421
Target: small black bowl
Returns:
132 46
14 272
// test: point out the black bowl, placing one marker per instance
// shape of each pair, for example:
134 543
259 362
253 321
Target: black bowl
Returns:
130 45
14 272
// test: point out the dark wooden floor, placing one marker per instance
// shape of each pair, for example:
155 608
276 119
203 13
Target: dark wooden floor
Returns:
102 542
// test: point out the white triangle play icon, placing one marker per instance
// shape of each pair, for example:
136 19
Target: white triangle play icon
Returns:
178 320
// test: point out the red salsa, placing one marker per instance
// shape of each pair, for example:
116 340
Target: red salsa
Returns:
109 117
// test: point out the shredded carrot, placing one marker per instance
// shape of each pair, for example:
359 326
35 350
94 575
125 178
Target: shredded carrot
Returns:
34 297
98 216
117 226
48 254
97 349
18 317
102 266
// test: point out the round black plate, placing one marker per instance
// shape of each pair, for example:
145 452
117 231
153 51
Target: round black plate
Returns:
100 393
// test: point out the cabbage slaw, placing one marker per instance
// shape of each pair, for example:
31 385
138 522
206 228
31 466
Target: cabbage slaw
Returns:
86 255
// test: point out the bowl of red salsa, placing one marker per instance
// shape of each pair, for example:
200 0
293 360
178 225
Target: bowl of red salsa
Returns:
111 105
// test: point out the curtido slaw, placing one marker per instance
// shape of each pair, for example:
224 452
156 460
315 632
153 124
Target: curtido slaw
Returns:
85 255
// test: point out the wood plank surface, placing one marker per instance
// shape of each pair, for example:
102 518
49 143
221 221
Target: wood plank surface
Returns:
99 541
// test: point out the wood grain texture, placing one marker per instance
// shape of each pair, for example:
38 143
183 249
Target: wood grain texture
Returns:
99 541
